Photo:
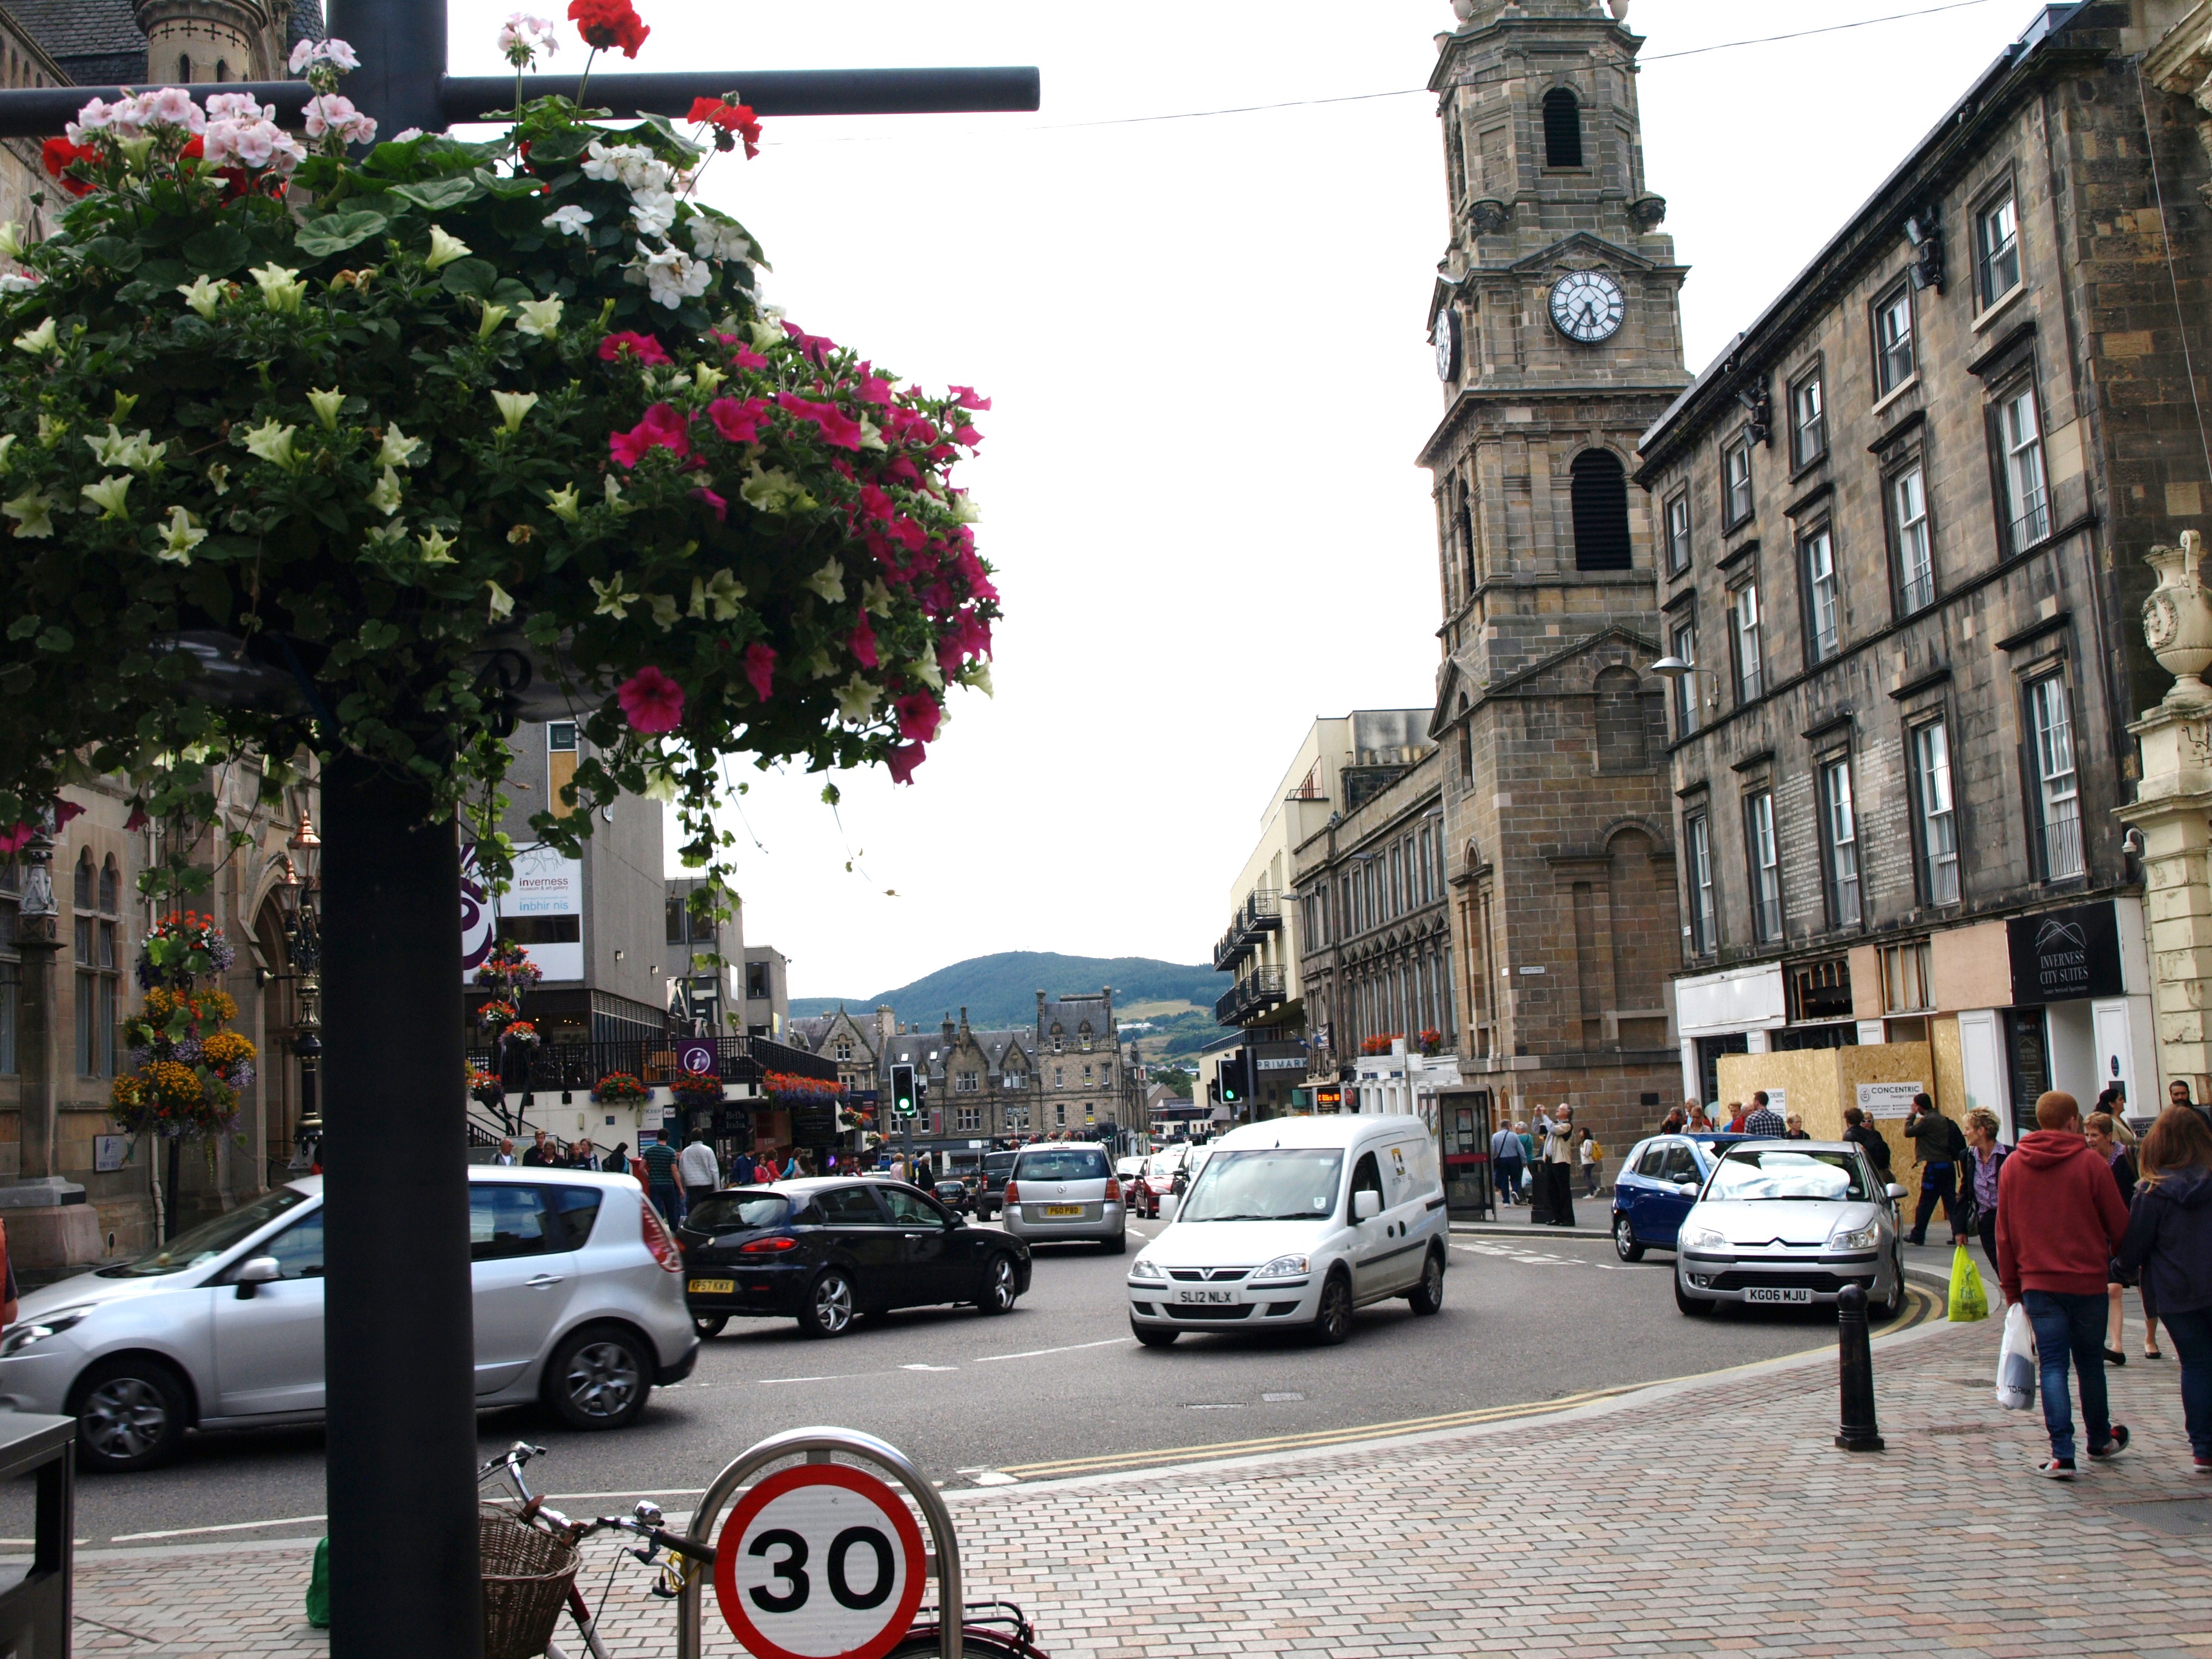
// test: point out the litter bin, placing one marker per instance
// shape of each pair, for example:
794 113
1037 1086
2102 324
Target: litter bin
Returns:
35 1610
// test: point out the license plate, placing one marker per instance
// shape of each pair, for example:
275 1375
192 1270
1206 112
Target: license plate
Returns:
1212 1297
713 1287
1776 1293
1063 1209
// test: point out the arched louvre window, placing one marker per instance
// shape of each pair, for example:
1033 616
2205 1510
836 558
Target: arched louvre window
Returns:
1600 504
1563 129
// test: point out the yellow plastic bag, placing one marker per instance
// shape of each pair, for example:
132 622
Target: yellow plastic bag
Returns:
1969 1301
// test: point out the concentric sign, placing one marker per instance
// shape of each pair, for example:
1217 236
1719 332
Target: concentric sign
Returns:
819 1561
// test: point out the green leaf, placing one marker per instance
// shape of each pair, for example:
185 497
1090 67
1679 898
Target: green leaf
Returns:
116 252
436 195
219 250
561 146
476 277
334 233
57 638
508 189
509 293
23 627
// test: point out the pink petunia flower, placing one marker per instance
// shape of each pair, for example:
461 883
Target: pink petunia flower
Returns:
663 428
651 701
902 759
760 669
739 422
639 348
835 426
918 714
965 396
864 642
815 346
746 357
721 507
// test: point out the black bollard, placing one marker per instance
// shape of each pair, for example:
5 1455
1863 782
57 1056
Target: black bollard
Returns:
1855 1373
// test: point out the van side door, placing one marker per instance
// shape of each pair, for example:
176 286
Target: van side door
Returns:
1373 1247
1409 1187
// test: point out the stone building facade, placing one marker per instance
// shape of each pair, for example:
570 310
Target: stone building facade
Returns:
1557 340
1078 1059
1905 520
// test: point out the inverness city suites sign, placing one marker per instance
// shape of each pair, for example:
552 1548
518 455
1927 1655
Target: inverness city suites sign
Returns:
2063 956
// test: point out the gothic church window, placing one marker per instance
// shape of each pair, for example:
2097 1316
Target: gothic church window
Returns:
1600 506
1563 129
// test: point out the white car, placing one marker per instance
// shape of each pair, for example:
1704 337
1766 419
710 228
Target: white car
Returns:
1781 1222
579 1303
1298 1221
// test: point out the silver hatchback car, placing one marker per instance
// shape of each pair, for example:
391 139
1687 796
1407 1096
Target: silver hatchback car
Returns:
579 1304
1066 1190
1781 1222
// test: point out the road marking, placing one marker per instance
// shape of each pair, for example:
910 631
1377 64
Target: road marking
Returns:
1271 1398
1219 1405
841 1376
992 1477
191 1531
1072 1348
929 1368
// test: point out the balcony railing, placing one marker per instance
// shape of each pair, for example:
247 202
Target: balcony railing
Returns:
1261 913
1257 992
651 1061
1229 952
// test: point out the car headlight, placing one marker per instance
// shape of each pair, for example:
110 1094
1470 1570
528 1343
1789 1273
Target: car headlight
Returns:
21 1337
1145 1268
1285 1267
1861 1238
1703 1238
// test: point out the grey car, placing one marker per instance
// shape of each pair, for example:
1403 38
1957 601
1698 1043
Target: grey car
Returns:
1783 1222
579 1304
1065 1191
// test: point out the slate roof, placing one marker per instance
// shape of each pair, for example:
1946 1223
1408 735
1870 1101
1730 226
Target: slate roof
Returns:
99 43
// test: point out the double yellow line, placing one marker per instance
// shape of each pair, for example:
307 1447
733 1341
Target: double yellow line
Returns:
1924 1304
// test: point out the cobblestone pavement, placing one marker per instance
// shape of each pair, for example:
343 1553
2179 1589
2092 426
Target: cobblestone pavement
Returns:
1711 1515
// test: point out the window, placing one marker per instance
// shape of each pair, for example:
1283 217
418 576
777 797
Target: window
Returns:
1892 340
1600 489
967 1082
1060 1077
1996 250
849 1207
844 1050
2027 506
1750 677
968 1118
1563 129
96 899
1809 422
2058 798
756 984
1736 484
1685 685
1915 547
1060 1114
1017 1118
1765 867
1938 825
1908 979
1698 832
1678 534
1821 611
1840 833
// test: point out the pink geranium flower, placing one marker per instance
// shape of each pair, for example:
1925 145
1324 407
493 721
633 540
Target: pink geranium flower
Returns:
902 759
739 422
918 714
651 701
663 428
760 669
639 348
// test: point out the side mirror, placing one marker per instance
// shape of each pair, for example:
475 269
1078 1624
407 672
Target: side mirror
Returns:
1892 1191
1366 1204
1686 1189
261 1270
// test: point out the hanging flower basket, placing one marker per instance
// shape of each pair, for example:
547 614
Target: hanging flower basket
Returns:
1380 1043
620 1089
789 1089
695 1091
188 1067
484 1088
1431 1041
508 971
182 947
520 1034
496 1016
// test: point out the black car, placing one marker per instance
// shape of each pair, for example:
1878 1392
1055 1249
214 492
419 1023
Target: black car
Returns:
954 1194
824 1251
991 1187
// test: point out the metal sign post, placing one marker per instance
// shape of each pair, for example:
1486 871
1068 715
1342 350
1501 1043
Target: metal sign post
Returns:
794 1562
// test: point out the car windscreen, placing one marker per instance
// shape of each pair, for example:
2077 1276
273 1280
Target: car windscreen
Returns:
210 1238
1761 1172
1272 1184
997 1164
1063 1163
736 1212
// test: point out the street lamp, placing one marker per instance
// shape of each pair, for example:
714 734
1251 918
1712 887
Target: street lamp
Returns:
300 895
1677 669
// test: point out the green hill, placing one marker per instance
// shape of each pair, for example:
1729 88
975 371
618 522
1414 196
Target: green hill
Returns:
1001 989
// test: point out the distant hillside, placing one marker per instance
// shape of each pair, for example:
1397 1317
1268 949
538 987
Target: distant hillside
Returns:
1001 989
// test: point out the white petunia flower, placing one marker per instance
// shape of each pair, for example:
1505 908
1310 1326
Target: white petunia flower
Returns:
107 495
385 498
445 248
202 294
541 318
326 405
397 448
179 537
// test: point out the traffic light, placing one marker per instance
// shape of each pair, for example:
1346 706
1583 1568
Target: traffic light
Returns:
1213 1091
902 1090
1232 1073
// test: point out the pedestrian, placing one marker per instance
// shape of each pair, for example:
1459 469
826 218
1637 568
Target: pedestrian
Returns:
1558 1165
618 1161
1735 1116
1593 1162
2059 1221
1796 1129
505 1156
581 1157
2169 1238
661 1185
1701 1121
1528 1151
538 1155
1505 1157
1763 1119
1978 1193
741 1170
1679 1119
1868 1139
2098 1128
792 1169
898 1166
696 1167
1939 1145
2177 1094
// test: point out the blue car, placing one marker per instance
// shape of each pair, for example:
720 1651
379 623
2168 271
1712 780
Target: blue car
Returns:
1648 1203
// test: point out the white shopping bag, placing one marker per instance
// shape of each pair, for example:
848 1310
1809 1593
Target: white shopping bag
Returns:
2016 1365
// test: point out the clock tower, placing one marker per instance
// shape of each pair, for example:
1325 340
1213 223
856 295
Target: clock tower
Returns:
1557 343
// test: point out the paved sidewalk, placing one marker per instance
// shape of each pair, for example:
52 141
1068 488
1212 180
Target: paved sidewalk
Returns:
1693 1518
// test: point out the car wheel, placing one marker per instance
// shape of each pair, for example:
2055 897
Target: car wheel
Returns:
1000 1285
1117 1245
1428 1296
599 1379
1153 1336
709 1325
830 1306
1333 1319
1690 1304
1624 1240
130 1415
1890 1310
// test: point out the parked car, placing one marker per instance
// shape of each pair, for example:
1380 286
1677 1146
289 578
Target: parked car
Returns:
579 1304
1136 1194
1298 1221
1649 1200
991 1185
824 1251
955 1195
1065 1191
1790 1221
1181 1158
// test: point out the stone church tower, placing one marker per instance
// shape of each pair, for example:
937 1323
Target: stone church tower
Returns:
1557 341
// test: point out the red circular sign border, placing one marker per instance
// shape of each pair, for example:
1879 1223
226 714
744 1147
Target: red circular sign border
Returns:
817 1474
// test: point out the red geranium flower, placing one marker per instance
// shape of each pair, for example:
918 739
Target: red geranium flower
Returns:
651 701
61 155
730 121
605 24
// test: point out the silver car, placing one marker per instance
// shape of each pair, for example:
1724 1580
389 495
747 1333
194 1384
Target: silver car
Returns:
1066 1190
1781 1222
579 1304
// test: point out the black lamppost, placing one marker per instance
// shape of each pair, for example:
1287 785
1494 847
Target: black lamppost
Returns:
299 897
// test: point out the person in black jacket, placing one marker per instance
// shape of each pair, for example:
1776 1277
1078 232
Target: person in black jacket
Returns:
2169 1237
1864 1135
1941 1147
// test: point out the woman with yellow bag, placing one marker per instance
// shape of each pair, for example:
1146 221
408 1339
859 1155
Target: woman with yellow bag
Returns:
1977 1214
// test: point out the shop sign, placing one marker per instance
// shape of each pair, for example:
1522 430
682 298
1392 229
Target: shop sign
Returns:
814 1124
1888 1099
2063 956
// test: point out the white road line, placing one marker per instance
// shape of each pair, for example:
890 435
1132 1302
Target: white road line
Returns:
843 1376
235 1526
929 1368
1072 1348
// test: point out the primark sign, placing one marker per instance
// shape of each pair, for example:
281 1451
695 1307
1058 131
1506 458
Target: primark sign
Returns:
1278 1057
2064 955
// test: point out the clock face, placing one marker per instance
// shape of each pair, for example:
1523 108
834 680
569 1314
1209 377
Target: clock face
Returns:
1587 306
1445 336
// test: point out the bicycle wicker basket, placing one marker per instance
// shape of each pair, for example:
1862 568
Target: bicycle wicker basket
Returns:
526 1575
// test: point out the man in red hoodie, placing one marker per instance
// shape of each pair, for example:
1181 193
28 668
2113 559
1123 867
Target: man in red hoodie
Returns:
2059 1223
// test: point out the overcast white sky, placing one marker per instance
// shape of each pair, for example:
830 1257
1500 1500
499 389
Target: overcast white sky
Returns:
1204 337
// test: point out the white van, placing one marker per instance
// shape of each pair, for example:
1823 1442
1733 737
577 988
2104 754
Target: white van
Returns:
1298 1221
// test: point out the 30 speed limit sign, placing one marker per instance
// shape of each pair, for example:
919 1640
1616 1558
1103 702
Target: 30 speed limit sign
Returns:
820 1561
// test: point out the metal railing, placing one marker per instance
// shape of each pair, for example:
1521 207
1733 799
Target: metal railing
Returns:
1258 990
652 1060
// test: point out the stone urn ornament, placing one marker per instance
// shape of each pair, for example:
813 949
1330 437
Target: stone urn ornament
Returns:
2177 618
